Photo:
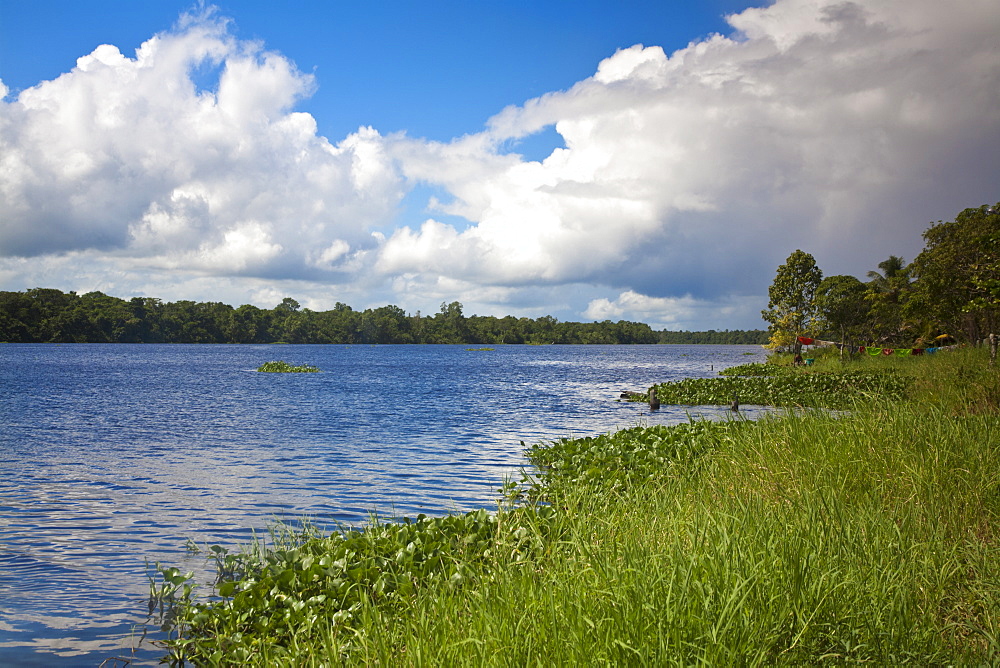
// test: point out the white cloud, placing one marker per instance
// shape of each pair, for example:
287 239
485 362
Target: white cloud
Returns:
127 156
685 178
673 313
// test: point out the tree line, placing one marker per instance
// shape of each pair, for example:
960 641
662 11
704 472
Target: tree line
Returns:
950 292
47 315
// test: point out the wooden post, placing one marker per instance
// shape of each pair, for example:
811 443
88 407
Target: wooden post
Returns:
736 403
654 401
993 349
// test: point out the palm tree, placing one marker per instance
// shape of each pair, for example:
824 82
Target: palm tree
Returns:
887 291
894 272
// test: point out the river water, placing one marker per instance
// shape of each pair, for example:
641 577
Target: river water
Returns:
115 455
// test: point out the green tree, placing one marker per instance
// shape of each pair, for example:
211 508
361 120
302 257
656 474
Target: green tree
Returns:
957 289
449 325
894 271
843 306
888 292
791 307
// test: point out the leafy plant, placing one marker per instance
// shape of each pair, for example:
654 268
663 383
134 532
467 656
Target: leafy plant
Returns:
284 367
772 385
308 584
791 308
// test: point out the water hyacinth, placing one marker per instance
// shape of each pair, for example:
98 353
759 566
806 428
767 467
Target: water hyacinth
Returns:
306 583
769 385
624 458
281 366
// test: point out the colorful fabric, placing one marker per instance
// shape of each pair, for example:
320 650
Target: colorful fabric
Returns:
805 340
903 352
873 351
918 351
887 351
931 351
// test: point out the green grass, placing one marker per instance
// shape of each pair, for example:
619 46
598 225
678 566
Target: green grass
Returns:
810 538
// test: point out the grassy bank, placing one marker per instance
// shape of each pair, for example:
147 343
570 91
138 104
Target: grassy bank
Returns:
868 537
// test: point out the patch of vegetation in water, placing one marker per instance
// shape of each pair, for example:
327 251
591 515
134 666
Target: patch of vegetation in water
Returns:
284 367
623 458
771 385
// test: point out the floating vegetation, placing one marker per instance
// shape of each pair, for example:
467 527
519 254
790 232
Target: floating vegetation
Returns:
284 367
307 586
624 458
755 369
480 348
769 385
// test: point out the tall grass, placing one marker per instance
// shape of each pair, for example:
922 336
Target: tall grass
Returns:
868 537
807 541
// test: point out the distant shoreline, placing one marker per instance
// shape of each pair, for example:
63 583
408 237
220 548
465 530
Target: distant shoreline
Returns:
47 315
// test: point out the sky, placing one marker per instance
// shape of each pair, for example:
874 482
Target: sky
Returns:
636 160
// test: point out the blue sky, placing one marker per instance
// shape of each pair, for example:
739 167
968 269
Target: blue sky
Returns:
649 161
433 69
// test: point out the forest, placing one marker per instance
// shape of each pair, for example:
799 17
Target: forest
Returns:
47 315
949 293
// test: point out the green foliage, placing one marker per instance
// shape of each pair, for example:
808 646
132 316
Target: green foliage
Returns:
753 369
309 586
952 287
958 274
785 386
843 307
44 315
733 337
284 367
791 307
624 458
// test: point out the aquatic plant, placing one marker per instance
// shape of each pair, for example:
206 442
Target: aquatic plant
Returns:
623 458
284 367
755 369
771 385
307 585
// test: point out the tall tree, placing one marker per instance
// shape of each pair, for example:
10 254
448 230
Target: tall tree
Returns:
888 292
892 268
843 307
958 274
791 307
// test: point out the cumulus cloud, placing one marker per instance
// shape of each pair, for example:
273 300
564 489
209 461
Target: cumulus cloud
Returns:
673 313
833 126
128 156
685 178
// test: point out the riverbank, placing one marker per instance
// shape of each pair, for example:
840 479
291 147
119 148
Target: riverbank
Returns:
868 537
